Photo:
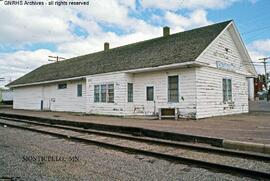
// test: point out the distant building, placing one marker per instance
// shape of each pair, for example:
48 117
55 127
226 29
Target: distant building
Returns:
260 87
259 83
6 96
198 73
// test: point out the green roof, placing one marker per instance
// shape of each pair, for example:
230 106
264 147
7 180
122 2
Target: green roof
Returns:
176 48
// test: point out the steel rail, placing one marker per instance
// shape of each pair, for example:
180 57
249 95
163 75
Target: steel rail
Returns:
205 149
178 159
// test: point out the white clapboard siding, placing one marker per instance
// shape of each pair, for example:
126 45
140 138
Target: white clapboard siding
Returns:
129 106
159 80
116 108
210 94
140 106
27 98
209 79
216 52
65 99
54 99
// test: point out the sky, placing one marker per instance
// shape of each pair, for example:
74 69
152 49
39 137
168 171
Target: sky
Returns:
29 34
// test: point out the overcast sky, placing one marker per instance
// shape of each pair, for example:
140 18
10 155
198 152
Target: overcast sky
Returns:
28 34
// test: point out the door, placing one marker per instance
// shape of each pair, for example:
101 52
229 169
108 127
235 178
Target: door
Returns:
46 104
46 97
150 105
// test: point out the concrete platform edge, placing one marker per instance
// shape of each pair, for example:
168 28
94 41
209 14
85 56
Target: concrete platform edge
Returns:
246 146
135 131
138 131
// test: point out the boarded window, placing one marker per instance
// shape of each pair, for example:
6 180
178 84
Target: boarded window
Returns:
96 93
103 93
110 93
79 90
173 88
130 92
150 93
227 90
62 86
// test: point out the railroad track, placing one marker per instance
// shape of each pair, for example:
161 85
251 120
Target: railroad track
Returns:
227 161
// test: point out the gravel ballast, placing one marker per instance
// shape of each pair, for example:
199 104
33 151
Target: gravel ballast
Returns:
85 162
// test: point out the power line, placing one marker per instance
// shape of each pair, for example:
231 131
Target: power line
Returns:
259 62
253 19
257 34
256 16
255 30
254 63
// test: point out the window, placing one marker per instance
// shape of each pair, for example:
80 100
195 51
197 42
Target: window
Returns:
62 86
96 93
173 88
150 93
79 90
110 93
104 93
227 90
130 92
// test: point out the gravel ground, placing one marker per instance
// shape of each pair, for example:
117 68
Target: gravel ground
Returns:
85 162
187 153
210 157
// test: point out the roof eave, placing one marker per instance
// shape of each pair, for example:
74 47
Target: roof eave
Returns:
249 60
189 64
46 82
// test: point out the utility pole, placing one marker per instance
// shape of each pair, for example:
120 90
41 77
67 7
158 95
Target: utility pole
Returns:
264 64
55 58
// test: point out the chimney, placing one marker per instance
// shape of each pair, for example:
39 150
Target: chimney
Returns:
166 31
106 46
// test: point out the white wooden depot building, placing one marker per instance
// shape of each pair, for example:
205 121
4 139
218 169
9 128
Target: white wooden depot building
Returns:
198 73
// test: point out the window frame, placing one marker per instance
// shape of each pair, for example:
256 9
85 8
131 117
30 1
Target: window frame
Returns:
110 93
227 90
96 93
178 89
130 92
79 93
153 96
61 84
104 93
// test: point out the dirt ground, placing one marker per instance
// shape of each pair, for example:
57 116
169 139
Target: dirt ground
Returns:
251 127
